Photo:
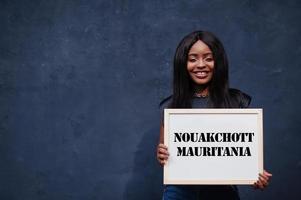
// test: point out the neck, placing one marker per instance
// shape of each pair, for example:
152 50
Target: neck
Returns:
201 90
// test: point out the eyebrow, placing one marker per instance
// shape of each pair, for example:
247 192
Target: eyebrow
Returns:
195 54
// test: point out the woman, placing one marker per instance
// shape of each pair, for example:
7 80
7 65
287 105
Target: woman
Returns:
201 81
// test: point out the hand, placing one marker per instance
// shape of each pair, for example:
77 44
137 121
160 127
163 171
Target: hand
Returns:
263 180
162 154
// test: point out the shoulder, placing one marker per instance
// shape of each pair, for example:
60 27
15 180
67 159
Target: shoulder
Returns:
165 102
241 99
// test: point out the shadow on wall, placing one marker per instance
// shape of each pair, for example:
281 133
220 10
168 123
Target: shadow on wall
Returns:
146 180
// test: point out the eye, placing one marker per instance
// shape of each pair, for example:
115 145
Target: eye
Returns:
192 60
209 59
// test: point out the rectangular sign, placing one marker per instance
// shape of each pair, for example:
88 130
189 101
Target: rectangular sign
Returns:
213 146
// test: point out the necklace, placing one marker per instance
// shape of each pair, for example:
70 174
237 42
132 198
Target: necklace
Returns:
201 95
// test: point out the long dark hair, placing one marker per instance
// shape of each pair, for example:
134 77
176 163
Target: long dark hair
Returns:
183 86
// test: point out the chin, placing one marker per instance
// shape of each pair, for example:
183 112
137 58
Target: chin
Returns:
201 82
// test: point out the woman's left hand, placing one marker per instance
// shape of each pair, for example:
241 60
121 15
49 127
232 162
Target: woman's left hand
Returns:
263 180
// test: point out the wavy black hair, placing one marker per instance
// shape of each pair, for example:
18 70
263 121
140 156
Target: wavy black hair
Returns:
183 86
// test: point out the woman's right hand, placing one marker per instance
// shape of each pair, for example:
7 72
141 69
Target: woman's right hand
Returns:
162 154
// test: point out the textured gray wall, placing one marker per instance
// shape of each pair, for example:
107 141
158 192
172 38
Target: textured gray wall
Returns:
80 83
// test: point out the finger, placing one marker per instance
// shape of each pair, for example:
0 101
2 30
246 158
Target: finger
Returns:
263 181
260 185
266 178
267 173
162 156
162 162
257 185
162 146
164 151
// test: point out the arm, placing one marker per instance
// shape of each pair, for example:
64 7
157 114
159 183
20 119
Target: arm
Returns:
162 152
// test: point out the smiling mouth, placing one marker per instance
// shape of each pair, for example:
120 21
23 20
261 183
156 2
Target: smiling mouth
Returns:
201 74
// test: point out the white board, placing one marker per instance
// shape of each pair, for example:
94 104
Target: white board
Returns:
242 125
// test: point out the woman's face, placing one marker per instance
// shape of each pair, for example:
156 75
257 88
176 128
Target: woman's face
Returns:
200 63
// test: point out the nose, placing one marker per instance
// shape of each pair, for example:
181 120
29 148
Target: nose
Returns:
201 63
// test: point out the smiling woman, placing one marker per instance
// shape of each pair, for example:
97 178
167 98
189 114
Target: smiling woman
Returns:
200 80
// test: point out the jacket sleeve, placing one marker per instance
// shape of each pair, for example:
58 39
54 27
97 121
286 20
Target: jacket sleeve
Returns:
243 100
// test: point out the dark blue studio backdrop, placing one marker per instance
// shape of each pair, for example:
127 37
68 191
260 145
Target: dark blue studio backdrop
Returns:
80 84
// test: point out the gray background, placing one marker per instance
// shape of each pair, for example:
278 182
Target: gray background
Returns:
80 84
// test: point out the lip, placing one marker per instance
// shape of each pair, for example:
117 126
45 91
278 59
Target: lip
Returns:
201 74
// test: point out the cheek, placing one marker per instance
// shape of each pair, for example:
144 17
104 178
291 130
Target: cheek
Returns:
189 66
211 65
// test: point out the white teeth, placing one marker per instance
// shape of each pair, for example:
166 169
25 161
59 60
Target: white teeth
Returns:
201 73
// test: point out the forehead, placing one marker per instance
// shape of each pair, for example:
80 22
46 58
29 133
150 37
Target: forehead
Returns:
199 48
